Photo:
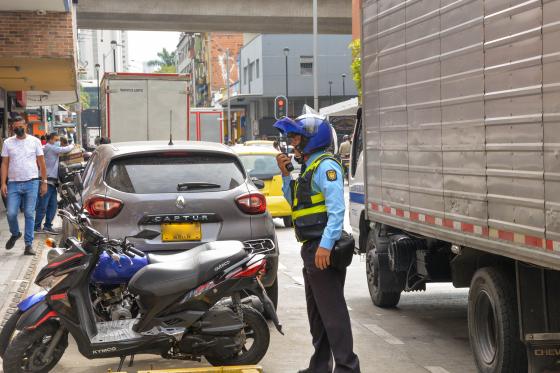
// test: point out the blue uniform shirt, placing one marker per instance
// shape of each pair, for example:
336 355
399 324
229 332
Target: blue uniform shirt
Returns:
333 190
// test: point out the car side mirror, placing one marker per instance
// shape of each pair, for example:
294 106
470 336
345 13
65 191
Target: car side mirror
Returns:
258 182
146 234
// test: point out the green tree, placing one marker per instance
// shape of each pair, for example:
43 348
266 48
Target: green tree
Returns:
164 59
169 69
356 66
84 99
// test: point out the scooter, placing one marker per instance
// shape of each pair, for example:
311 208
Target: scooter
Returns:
190 306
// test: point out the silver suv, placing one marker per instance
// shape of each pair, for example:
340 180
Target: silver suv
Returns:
191 192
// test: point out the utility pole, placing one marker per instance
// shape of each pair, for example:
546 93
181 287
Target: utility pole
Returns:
230 125
315 60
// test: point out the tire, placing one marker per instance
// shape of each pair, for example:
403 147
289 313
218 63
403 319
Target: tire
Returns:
27 346
257 328
493 323
288 223
376 272
8 331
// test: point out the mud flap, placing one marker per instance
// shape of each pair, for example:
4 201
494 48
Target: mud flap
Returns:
543 352
539 315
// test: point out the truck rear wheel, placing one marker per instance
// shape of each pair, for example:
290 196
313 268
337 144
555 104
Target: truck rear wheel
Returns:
493 323
378 274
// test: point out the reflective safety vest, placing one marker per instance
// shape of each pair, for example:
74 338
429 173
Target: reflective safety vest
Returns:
309 211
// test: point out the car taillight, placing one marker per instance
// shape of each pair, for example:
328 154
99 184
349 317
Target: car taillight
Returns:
252 203
99 207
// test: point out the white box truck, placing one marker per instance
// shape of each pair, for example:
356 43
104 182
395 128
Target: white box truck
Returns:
455 169
140 107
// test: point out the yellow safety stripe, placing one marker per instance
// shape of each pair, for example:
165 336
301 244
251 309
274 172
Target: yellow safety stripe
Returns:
316 198
308 211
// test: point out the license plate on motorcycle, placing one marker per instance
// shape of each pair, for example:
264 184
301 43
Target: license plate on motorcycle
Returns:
174 232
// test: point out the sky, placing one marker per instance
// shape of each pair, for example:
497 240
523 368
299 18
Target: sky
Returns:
144 45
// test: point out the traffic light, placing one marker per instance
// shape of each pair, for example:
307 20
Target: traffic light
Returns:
280 107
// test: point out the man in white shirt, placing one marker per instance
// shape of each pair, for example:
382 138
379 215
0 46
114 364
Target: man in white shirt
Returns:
21 154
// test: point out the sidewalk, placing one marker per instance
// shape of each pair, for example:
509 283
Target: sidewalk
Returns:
17 271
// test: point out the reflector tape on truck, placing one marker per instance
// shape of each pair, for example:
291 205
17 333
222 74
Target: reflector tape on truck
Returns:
493 233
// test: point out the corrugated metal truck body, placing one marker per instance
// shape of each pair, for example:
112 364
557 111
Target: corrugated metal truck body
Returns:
461 126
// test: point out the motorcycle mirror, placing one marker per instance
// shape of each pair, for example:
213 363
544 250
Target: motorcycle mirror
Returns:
146 234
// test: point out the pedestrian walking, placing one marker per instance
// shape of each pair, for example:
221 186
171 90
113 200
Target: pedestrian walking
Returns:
317 200
48 204
22 157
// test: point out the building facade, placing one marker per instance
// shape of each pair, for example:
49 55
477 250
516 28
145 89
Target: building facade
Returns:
38 56
108 48
203 55
272 65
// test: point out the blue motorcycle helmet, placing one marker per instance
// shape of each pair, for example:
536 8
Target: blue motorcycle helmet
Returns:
315 130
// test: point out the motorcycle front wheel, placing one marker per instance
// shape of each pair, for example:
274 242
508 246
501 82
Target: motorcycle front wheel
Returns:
257 339
8 331
26 351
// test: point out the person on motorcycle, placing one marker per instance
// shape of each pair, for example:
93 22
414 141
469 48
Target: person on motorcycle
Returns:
317 200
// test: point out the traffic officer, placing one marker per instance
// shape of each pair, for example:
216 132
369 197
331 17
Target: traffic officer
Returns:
317 200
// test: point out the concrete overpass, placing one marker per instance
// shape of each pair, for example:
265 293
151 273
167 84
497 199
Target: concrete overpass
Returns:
254 16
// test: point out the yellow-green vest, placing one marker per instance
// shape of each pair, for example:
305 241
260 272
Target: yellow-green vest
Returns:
309 211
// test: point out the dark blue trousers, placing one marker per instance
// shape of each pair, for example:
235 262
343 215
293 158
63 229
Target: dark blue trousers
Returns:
329 320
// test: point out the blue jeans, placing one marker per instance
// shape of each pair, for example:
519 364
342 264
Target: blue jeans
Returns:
26 192
48 204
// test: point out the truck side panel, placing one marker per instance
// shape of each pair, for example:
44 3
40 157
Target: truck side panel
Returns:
459 97
165 96
127 110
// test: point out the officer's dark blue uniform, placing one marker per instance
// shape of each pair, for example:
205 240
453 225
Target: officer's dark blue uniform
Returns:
317 200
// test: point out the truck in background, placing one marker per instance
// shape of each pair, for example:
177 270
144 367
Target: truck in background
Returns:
140 107
454 166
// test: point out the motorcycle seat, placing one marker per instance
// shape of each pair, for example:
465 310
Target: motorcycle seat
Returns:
188 254
185 271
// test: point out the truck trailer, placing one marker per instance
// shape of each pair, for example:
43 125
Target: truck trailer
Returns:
141 107
455 169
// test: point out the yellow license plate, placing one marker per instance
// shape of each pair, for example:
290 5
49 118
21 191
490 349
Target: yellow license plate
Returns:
181 232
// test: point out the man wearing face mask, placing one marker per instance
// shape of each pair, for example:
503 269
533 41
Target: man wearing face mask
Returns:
48 203
21 154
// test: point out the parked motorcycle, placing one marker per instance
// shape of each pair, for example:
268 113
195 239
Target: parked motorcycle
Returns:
189 306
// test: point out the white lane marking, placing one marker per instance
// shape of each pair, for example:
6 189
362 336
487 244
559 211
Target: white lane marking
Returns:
282 267
436 370
383 334
349 308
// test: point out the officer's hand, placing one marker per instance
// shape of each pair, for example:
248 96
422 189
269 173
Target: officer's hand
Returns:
43 189
322 258
283 160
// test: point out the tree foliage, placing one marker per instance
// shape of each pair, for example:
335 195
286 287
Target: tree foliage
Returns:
84 99
167 69
356 65
164 59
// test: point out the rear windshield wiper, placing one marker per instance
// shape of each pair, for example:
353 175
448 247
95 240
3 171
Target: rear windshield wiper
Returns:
196 185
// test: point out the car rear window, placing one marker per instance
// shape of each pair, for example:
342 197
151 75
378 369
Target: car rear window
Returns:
163 173
261 166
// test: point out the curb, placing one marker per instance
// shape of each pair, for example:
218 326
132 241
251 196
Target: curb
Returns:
26 282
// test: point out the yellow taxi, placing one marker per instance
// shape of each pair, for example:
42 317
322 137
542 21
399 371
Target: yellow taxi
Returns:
262 143
260 163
